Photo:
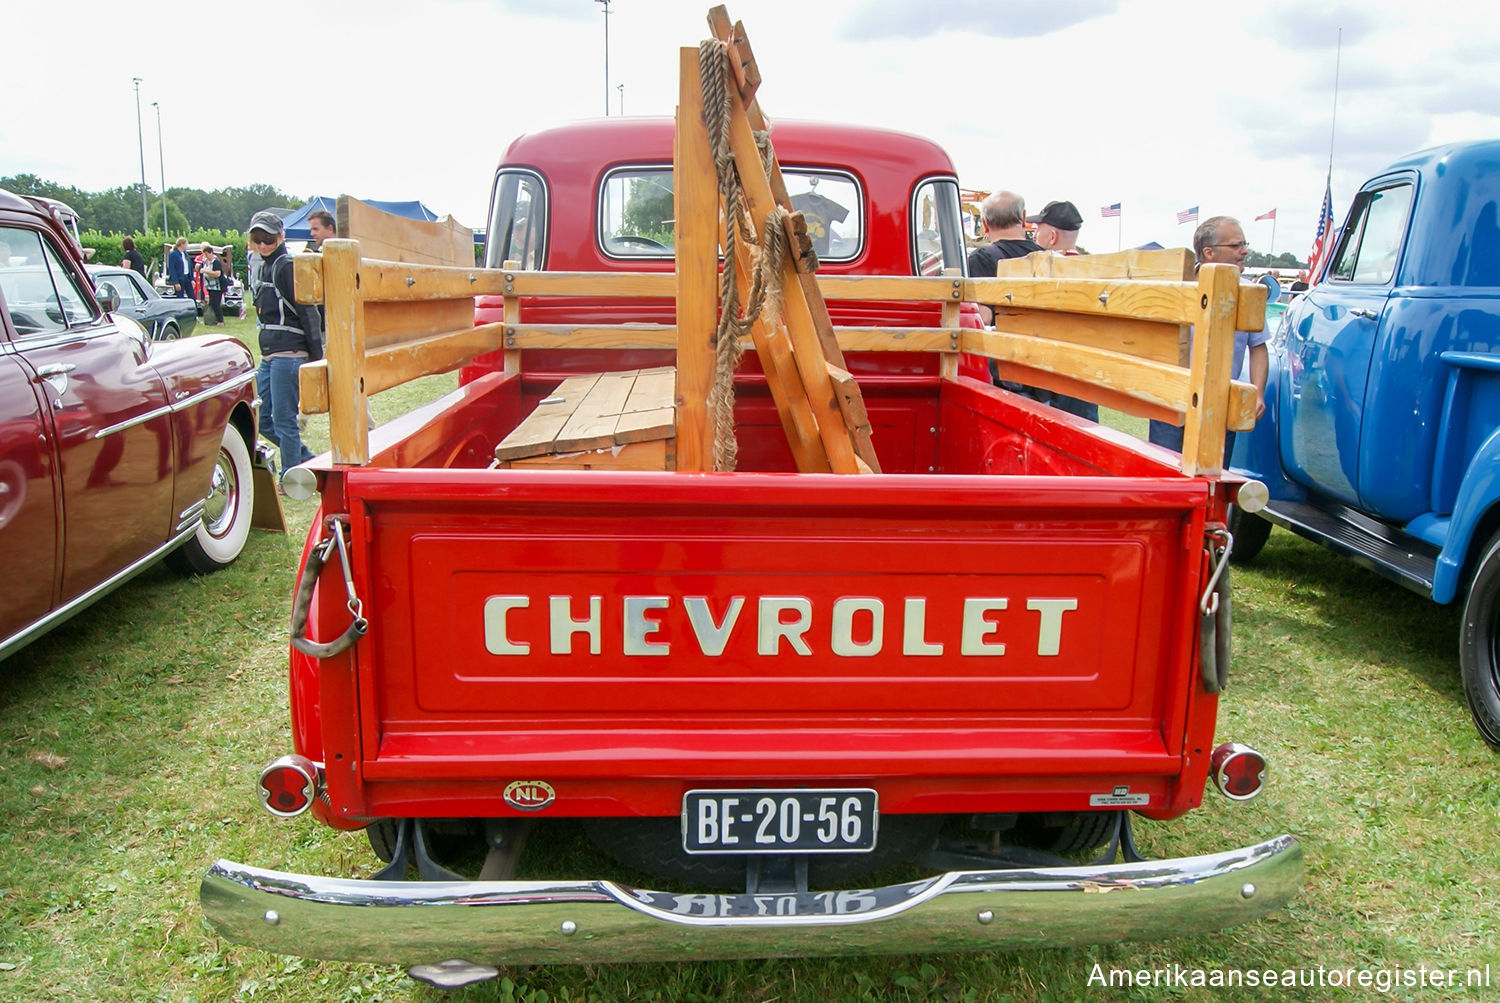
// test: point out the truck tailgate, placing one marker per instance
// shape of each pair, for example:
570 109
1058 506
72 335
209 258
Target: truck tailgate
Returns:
809 626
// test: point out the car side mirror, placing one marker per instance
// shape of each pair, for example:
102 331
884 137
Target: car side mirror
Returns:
109 297
1273 287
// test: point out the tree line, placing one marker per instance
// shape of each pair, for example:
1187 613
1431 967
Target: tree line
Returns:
188 210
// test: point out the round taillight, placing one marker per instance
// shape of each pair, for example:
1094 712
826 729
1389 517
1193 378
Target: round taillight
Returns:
1239 771
289 785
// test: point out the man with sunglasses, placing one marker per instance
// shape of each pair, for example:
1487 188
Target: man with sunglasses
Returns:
1220 240
290 335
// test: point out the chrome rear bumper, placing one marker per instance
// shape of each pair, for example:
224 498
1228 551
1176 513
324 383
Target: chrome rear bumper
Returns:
575 922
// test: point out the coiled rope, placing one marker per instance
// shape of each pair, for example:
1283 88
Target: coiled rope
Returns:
765 284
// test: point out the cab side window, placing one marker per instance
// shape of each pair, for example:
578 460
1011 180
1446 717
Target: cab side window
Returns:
42 295
1372 244
518 221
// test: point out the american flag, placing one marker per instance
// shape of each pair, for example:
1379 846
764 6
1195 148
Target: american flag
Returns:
1188 215
1109 210
1321 243
1266 215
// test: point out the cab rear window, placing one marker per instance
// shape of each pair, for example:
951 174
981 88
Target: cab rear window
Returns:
636 217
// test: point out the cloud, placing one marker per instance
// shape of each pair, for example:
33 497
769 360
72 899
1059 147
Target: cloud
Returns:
873 20
1305 27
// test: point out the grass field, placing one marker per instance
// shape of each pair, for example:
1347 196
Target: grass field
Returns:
130 739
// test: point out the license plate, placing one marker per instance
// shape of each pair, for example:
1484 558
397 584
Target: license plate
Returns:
779 821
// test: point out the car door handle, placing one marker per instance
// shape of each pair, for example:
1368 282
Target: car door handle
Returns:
1364 314
56 378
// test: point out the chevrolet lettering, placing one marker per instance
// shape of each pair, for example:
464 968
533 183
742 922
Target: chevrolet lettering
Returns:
856 626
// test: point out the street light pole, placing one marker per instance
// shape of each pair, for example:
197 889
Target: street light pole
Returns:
161 160
621 89
140 136
606 55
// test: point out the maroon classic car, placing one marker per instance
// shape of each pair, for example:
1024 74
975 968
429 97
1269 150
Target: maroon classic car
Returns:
115 450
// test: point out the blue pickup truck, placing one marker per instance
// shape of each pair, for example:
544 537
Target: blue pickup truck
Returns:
1381 437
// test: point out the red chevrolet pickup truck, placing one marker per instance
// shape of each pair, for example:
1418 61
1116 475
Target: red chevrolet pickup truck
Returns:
760 688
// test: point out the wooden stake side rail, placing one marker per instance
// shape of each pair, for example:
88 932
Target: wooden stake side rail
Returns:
1065 333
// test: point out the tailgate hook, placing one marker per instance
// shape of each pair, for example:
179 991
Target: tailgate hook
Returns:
1214 613
302 604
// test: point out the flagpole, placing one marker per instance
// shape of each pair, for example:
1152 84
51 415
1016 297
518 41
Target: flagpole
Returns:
1273 236
1120 230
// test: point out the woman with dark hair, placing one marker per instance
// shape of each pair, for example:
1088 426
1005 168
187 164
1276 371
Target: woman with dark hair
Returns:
132 258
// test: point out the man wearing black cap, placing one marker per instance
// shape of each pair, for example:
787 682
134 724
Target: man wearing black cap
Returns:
1057 227
290 335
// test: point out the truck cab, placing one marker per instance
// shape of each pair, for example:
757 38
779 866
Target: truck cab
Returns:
1380 438
877 202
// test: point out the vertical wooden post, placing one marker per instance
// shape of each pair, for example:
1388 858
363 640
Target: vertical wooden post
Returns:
1213 355
511 316
952 320
695 204
344 346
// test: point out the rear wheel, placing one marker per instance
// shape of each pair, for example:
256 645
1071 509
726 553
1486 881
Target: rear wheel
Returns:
1479 644
168 331
225 525
1250 534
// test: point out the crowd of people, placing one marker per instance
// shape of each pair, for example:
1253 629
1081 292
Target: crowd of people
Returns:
1217 240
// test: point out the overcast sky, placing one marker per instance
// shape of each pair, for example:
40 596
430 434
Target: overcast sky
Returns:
1157 104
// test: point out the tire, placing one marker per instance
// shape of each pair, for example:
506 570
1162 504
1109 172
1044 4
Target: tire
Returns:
1479 644
654 845
1250 534
226 520
168 332
1066 831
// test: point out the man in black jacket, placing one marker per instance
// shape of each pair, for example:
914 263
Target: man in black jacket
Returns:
290 334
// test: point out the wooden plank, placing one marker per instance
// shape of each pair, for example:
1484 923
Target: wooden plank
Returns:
397 364
627 285
896 339
1155 383
1206 413
389 237
912 288
307 277
639 426
654 389
344 347
695 203
394 282
539 430
393 323
1145 339
1176 302
592 423
591 336
856 418
1250 307
1174 264
657 454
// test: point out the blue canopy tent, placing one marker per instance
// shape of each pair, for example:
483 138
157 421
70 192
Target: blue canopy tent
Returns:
296 223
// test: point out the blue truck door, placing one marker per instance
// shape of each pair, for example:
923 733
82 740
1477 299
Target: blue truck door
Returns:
1329 350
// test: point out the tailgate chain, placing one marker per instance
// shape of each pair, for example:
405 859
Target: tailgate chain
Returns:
302 604
1214 613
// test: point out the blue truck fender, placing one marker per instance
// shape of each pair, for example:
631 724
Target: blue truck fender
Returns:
1478 494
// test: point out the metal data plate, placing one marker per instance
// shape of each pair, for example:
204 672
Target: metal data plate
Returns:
794 820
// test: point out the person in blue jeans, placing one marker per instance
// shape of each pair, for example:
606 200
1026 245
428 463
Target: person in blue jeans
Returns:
291 335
